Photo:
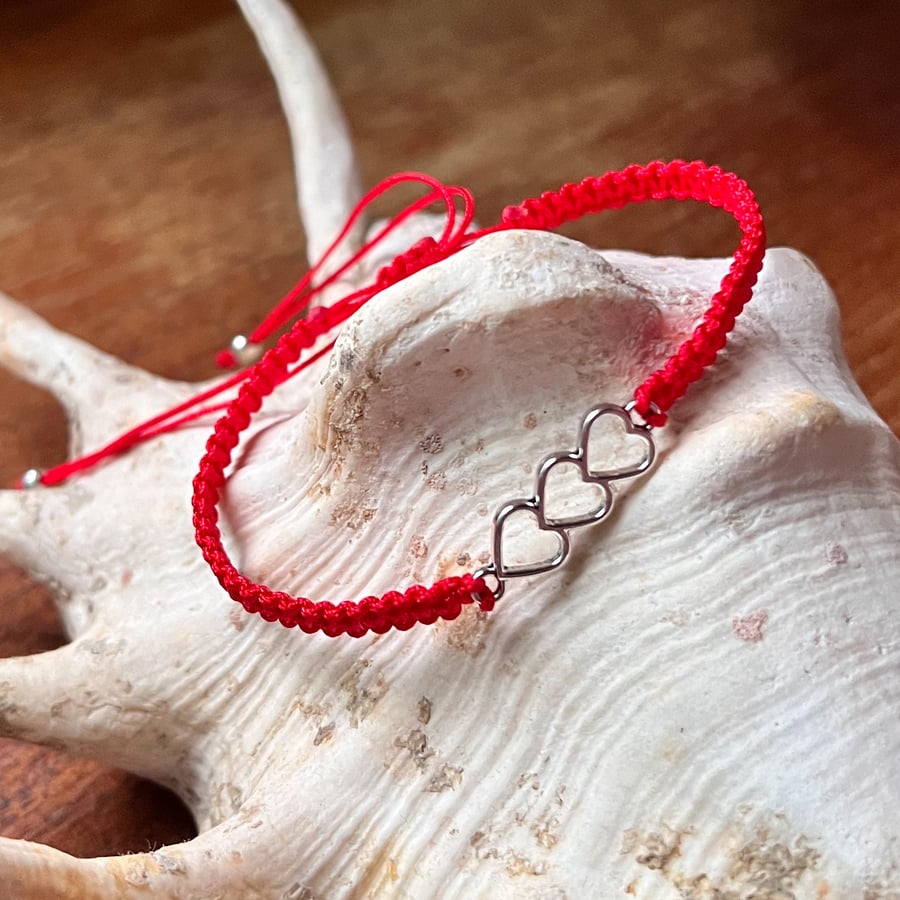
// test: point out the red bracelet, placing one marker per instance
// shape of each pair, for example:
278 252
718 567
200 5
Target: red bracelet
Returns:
652 399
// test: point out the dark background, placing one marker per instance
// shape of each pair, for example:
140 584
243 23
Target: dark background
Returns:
147 199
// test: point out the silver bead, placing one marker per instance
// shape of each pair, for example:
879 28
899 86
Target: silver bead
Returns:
32 479
244 352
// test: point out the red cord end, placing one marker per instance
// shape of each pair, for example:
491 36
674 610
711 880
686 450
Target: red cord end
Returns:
242 351
30 479
515 216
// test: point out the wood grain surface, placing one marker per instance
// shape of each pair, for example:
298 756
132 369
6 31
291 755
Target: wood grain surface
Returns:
147 201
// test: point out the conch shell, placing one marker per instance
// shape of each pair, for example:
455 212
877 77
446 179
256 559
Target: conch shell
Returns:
702 703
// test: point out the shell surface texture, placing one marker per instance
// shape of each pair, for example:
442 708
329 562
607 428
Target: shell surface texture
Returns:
702 703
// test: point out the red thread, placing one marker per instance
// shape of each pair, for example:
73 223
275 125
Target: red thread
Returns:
653 398
297 300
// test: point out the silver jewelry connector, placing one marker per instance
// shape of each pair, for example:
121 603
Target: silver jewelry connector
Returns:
641 422
593 475
486 572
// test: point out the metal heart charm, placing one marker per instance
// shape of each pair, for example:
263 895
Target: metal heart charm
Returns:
526 507
576 459
639 432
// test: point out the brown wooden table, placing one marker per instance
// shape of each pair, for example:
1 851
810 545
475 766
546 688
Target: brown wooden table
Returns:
147 199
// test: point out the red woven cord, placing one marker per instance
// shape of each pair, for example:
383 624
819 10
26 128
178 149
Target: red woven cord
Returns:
676 180
446 598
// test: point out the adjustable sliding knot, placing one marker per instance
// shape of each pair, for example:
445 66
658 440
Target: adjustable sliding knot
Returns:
421 255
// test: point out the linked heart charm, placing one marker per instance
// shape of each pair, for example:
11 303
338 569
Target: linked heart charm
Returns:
525 515
548 511
635 437
554 517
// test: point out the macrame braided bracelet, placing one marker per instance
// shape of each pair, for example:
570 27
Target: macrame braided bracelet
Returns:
652 399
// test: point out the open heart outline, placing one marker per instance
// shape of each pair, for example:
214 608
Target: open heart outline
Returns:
578 459
642 432
531 507
535 506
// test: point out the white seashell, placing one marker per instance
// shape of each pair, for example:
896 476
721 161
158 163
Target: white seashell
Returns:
701 703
